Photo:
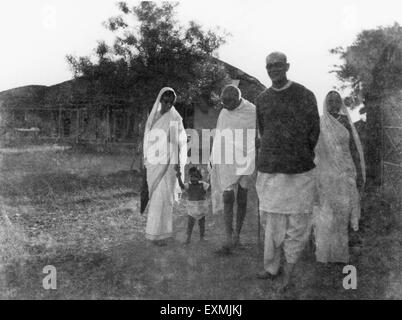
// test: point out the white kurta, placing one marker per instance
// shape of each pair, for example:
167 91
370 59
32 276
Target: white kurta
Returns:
233 160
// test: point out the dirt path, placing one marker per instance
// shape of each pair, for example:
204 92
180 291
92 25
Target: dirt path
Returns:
135 269
79 213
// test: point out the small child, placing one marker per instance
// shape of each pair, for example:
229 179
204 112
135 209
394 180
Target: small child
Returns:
197 206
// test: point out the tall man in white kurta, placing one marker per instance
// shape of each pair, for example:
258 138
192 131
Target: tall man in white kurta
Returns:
289 125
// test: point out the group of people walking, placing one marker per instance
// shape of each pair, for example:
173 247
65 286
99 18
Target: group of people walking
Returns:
308 172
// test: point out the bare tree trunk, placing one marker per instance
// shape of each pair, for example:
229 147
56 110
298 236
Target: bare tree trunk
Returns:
374 142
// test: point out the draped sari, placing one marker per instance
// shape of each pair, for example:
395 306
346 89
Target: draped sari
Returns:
338 196
165 146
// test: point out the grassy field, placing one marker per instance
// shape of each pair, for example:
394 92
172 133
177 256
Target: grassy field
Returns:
78 211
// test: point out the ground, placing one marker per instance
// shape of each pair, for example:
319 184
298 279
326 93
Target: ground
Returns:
78 211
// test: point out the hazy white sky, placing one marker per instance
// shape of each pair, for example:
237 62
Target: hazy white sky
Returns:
36 35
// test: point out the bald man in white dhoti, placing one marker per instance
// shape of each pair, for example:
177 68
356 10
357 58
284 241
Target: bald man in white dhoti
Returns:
233 163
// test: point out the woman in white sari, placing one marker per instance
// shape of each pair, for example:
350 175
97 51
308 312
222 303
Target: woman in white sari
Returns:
341 175
165 152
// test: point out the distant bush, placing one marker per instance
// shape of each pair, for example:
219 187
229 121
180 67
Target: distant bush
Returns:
12 241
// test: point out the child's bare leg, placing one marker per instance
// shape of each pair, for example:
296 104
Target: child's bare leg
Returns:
201 224
190 226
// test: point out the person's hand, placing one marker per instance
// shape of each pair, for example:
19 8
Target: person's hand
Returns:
355 224
257 143
359 183
208 177
362 189
209 168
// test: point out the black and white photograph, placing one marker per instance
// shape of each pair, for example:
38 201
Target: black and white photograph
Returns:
207 151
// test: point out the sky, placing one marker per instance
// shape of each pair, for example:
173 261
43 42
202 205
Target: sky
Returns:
37 35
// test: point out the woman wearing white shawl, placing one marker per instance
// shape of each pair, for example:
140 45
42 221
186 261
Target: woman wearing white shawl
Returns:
341 173
165 146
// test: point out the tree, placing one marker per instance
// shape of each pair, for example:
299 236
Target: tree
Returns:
372 68
152 52
372 63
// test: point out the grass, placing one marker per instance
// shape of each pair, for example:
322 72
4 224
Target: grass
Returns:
78 211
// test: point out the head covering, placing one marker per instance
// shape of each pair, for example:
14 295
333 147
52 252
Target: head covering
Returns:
153 116
329 125
157 107
175 137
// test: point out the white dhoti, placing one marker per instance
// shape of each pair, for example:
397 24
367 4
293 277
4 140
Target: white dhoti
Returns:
286 206
287 231
244 181
233 153
286 193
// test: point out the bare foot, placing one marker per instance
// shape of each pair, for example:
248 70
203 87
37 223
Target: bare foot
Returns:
265 275
160 243
236 241
287 282
240 246
286 285
224 251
